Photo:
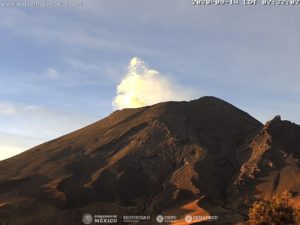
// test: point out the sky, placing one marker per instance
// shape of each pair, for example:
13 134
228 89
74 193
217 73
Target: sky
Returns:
62 68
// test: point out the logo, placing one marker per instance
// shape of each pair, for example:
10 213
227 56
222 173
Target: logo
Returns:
105 219
188 218
87 218
160 218
135 218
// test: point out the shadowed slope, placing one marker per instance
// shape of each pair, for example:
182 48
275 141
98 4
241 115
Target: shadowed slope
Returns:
135 161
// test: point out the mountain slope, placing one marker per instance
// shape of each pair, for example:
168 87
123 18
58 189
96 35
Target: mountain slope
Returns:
150 160
273 166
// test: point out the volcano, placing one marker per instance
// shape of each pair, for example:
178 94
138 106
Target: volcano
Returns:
203 157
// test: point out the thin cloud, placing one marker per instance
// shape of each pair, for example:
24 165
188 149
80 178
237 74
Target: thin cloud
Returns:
51 73
10 109
43 32
7 109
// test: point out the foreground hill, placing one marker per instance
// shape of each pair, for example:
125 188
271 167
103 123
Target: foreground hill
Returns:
200 157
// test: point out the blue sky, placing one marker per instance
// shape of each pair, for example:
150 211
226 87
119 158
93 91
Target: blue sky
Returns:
60 67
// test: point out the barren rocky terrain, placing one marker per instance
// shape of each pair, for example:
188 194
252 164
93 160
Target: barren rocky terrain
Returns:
199 157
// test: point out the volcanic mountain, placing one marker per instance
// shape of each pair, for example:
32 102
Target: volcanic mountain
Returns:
175 158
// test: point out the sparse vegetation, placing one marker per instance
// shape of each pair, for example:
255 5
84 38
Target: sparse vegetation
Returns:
279 210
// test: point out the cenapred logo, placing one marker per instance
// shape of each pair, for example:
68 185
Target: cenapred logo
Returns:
87 218
160 219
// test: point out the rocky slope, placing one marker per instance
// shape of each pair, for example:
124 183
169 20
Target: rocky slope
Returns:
150 160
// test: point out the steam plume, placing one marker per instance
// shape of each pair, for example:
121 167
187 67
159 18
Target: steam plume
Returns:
142 86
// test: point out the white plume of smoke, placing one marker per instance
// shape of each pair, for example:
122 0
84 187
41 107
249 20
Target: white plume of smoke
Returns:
142 86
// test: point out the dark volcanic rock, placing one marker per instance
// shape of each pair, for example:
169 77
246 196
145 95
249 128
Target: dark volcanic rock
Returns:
150 159
273 166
